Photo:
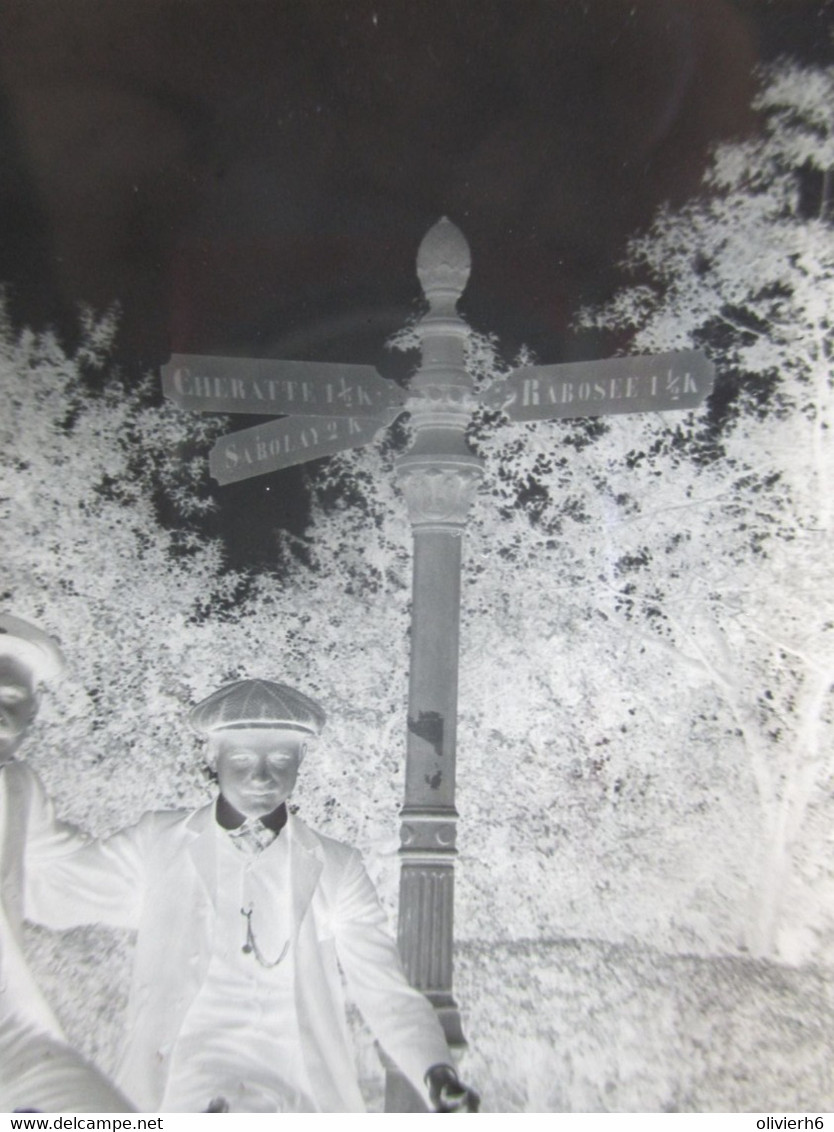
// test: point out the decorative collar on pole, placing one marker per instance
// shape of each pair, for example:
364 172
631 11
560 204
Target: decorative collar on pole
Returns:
441 389
439 474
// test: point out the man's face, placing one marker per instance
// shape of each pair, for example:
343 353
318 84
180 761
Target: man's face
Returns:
256 767
18 704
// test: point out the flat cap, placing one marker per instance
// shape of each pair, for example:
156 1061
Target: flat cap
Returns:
31 646
257 703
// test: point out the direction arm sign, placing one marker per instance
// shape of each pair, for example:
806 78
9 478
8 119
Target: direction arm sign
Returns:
267 387
637 383
291 440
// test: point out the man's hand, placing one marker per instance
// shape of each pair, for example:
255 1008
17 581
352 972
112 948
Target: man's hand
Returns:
448 1093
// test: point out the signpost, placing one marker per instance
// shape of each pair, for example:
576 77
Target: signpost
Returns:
329 408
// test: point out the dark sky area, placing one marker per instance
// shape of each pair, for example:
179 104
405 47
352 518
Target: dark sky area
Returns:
254 176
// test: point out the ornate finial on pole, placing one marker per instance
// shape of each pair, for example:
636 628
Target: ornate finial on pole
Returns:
441 389
443 265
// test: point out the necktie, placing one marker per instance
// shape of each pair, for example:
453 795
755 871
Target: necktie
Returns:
252 837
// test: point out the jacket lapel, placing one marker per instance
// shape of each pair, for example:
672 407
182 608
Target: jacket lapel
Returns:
306 863
202 847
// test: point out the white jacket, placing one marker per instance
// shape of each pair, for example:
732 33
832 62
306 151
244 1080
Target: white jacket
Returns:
159 877
27 824
37 1068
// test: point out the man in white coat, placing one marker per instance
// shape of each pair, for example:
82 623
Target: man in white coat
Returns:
244 917
38 1070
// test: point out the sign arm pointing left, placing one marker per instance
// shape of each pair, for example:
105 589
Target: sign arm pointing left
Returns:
267 387
291 440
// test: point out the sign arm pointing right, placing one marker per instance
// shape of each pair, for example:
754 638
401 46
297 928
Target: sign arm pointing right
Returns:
636 383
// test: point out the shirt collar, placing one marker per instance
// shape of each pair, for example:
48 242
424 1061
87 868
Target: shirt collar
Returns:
250 835
229 818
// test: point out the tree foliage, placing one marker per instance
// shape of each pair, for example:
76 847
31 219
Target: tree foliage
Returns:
748 270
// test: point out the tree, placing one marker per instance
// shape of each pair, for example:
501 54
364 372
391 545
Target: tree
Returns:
749 270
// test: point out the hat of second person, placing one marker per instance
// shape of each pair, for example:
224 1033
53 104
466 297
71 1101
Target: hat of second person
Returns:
30 645
257 703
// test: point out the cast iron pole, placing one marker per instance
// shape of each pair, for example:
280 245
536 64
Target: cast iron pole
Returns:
439 477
